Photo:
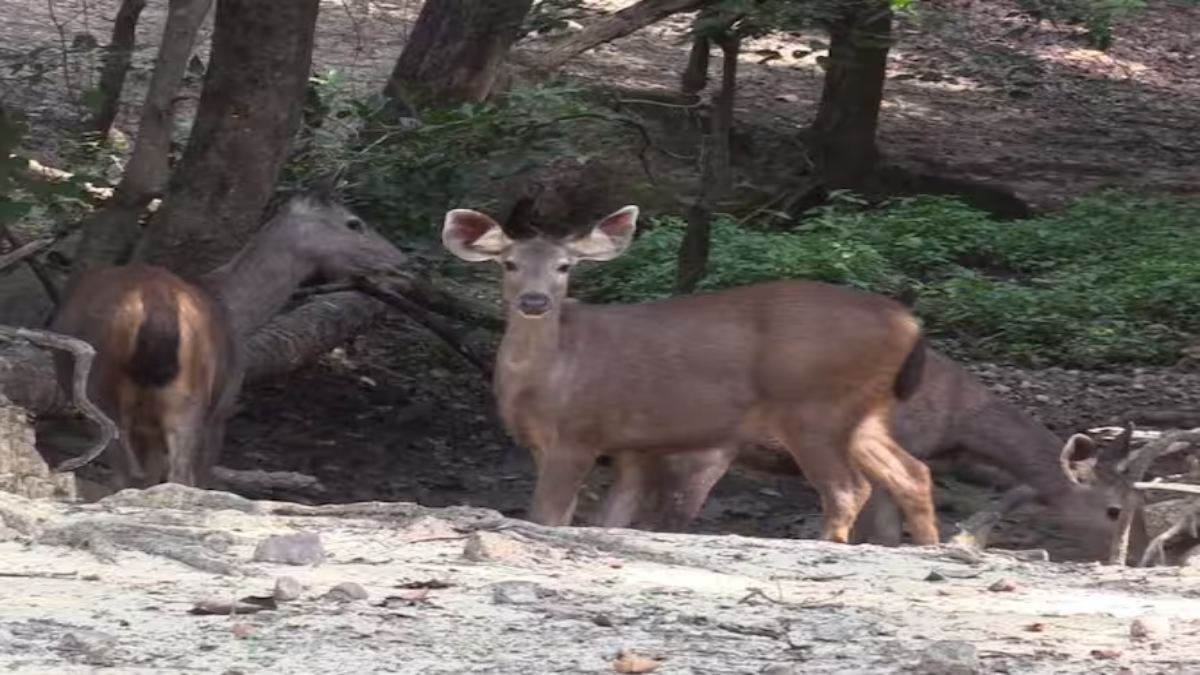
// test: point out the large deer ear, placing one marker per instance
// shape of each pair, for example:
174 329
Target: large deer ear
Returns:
609 238
473 236
1078 458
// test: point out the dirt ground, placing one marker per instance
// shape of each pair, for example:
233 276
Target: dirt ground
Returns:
975 90
114 587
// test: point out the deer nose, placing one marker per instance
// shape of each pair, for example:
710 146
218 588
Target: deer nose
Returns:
533 304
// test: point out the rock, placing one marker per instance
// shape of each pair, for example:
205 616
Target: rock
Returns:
492 546
1003 586
1001 389
287 589
519 593
347 591
425 528
949 657
92 645
1150 628
300 548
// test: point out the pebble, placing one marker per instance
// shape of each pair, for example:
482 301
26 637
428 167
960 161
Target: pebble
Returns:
492 546
518 593
347 591
92 645
1150 627
287 589
1003 586
949 657
300 548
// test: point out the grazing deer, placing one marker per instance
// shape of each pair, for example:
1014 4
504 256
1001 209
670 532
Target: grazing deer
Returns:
815 366
168 351
951 413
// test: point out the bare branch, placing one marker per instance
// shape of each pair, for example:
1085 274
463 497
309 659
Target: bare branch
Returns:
1168 487
21 252
628 20
1188 520
1133 469
82 354
116 64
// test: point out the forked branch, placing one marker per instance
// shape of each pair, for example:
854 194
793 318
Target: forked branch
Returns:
82 354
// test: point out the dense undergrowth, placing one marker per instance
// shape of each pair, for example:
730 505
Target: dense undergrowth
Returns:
1112 279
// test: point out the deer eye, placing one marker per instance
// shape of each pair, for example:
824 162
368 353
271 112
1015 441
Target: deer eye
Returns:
1113 512
355 224
510 266
564 268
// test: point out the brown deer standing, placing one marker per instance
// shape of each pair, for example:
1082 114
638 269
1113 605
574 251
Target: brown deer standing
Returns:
814 366
951 413
168 364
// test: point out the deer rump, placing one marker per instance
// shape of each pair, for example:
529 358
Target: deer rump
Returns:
164 355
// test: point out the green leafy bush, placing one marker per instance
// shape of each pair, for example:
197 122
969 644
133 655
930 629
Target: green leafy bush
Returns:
1114 278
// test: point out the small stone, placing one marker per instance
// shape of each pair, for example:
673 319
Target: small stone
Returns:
92 645
347 591
491 546
1036 627
1111 379
1001 389
782 669
1150 628
935 575
242 631
518 593
1106 654
287 589
949 657
300 548
787 98
603 620
1042 398
1003 586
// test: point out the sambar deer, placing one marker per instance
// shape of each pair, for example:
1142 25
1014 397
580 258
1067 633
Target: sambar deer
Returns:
168 351
815 366
952 413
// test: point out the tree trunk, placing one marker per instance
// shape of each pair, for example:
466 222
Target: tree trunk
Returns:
110 233
716 174
843 134
116 65
628 20
454 52
248 115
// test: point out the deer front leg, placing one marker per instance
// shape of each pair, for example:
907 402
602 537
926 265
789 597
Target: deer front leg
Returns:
880 522
681 484
630 491
560 474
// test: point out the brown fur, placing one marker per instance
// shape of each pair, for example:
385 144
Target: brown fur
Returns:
165 353
809 365
951 414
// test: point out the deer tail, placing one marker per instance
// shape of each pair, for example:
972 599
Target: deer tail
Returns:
155 358
912 372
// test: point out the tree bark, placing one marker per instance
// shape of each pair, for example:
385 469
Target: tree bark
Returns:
454 52
248 115
716 174
628 20
110 233
116 65
843 134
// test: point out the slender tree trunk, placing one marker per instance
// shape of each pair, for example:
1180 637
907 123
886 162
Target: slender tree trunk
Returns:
116 65
716 180
454 52
843 134
248 115
110 233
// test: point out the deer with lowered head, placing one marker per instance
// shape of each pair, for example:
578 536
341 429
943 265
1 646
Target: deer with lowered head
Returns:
952 413
168 361
815 367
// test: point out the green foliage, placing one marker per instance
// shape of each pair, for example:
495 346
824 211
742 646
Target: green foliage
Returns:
1096 16
1111 279
550 15
405 178
23 195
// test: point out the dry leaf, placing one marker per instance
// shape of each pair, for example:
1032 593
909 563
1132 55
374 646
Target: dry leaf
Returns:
628 662
1035 627
1106 654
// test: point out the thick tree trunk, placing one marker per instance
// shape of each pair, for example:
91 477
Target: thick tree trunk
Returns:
628 20
116 65
843 134
454 52
110 233
248 115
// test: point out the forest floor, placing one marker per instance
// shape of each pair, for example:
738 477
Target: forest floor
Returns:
975 89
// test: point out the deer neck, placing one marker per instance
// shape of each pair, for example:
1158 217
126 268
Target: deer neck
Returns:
257 283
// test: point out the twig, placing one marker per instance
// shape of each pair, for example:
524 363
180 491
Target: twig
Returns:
82 354
1137 463
39 575
1167 487
24 251
1155 550
38 269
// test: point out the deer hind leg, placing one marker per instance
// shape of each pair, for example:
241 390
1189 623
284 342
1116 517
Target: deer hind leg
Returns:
682 483
560 474
820 452
880 522
628 494
904 477
183 422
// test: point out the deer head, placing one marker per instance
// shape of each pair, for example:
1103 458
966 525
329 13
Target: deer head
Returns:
1093 505
329 238
536 268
